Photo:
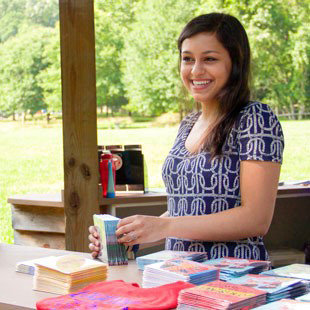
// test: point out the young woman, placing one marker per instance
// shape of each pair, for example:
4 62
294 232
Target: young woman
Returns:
222 173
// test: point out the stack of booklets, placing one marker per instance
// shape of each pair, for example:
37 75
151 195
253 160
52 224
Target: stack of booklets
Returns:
231 267
285 304
28 266
178 270
275 287
220 295
305 297
67 274
164 255
299 271
111 251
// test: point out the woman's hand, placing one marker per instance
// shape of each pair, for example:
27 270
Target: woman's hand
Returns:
94 245
139 229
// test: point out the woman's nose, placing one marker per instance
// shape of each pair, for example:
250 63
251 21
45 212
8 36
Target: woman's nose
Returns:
198 68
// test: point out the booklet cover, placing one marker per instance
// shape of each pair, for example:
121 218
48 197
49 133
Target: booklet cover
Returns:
231 267
178 270
164 255
28 266
299 271
276 287
67 273
221 295
285 304
305 297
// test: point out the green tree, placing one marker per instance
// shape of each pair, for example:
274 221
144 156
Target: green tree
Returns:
49 78
21 61
150 56
112 21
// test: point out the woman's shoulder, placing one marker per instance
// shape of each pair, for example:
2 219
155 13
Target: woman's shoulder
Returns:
256 107
257 113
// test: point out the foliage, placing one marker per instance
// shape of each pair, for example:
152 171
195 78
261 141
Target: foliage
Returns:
112 21
14 14
151 58
50 77
137 57
21 62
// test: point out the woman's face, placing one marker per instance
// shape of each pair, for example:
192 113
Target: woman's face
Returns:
205 66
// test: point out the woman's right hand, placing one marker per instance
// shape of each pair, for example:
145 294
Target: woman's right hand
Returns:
94 245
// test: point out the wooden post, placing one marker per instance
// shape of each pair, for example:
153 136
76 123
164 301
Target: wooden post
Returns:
79 119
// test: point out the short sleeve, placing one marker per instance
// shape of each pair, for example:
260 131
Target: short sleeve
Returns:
260 135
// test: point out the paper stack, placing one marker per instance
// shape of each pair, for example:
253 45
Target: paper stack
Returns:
111 252
220 295
275 287
299 271
305 297
164 255
231 267
67 274
28 266
178 270
285 304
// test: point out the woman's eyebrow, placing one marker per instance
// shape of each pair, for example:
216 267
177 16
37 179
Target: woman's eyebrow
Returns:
205 52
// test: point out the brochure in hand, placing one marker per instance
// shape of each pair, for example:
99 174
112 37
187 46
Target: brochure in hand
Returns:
178 270
275 287
221 295
111 251
231 267
164 255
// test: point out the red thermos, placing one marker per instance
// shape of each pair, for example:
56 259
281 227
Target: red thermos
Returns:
104 171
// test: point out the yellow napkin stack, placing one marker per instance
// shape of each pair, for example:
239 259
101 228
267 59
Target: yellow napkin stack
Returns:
67 274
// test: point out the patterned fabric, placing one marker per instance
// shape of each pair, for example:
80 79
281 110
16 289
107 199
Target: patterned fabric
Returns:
197 186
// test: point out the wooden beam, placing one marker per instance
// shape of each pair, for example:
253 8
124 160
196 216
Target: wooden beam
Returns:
78 75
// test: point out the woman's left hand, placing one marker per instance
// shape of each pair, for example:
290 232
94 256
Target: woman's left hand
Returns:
139 229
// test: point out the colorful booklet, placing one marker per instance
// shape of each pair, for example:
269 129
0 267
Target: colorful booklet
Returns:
221 295
305 297
285 304
178 270
275 287
28 266
111 251
299 271
231 267
164 255
67 273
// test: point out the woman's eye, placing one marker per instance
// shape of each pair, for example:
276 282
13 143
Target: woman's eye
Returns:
210 59
187 59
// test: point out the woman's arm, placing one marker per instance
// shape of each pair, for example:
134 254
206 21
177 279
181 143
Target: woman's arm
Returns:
258 185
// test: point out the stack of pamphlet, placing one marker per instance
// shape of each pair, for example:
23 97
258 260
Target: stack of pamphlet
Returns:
305 297
299 271
178 270
164 255
220 295
285 304
27 266
276 287
67 274
111 251
231 267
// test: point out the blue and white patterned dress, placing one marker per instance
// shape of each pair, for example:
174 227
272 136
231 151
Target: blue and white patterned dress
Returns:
196 186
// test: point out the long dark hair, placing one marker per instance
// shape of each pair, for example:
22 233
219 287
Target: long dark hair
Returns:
236 93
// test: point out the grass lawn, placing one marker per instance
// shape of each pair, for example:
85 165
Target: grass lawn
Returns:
31 158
